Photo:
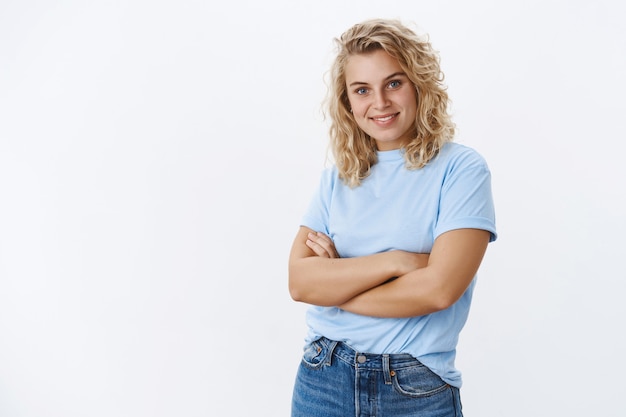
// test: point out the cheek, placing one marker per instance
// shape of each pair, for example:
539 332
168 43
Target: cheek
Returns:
359 115
358 109
360 119
362 125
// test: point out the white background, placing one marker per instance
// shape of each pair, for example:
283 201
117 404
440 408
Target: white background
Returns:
156 157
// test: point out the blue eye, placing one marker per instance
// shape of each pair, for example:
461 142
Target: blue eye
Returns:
361 91
394 84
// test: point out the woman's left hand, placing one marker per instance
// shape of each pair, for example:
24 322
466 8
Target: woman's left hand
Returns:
322 245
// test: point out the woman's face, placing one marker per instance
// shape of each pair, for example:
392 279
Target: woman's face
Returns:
383 99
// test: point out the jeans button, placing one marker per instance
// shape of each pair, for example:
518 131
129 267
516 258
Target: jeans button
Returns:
361 359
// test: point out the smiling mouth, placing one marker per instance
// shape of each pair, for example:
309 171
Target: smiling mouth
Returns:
385 118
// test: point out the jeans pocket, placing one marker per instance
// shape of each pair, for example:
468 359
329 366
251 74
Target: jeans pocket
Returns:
315 354
417 381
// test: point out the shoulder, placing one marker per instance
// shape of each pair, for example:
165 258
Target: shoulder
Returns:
329 177
456 155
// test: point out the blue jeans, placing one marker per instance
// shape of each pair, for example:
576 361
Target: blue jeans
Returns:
335 381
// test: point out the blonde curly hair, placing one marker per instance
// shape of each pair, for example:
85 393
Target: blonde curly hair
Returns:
353 150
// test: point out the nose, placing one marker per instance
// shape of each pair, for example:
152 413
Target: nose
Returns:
380 100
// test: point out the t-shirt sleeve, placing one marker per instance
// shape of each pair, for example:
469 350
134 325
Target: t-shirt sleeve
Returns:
466 200
317 214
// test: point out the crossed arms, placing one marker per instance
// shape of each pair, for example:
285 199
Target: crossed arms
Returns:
425 283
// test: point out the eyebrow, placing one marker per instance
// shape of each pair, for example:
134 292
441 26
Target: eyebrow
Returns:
394 75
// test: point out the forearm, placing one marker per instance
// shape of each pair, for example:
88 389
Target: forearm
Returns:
318 276
333 281
452 265
413 294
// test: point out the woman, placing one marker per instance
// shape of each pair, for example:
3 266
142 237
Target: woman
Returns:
390 245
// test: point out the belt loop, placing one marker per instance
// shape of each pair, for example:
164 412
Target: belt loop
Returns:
386 370
331 349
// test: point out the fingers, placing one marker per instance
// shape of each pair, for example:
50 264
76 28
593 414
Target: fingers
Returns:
322 245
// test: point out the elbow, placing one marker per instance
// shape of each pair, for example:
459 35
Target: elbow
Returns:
443 301
305 294
304 289
301 294
443 291
443 298
295 292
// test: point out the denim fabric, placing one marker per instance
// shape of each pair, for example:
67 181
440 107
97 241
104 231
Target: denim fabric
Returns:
335 381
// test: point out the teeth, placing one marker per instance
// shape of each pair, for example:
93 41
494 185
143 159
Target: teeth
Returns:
384 119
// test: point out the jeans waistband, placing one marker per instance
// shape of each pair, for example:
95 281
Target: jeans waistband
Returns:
370 361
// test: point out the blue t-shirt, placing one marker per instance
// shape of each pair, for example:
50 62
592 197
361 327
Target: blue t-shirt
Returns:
398 208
